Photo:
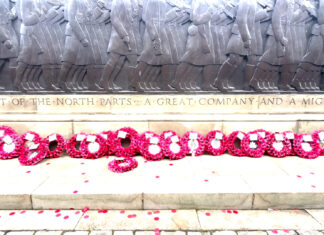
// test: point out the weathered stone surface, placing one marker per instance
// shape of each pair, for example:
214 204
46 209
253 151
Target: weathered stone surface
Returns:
251 233
140 220
59 193
310 126
21 233
123 233
285 192
281 232
256 220
77 233
214 192
309 232
48 232
101 233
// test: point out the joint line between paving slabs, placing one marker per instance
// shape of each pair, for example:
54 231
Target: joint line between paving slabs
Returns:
32 193
319 222
198 220
253 198
76 225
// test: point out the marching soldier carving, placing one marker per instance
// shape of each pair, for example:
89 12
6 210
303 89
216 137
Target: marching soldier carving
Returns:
125 42
8 38
284 50
199 47
244 42
81 52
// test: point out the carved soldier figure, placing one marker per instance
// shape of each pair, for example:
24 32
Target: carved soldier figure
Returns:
159 51
125 42
8 37
79 43
51 39
199 47
309 71
284 50
30 14
246 41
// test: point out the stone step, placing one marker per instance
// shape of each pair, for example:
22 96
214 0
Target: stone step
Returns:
206 182
276 222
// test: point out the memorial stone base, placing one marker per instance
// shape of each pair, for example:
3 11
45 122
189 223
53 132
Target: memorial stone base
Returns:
68 114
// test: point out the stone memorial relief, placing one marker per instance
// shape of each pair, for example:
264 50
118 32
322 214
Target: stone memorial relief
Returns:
159 46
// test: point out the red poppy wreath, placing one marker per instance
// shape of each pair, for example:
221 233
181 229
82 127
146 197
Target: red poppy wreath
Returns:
93 147
32 155
319 136
152 148
234 143
30 138
54 145
265 135
291 136
6 130
142 138
279 145
215 143
122 166
173 148
73 146
194 143
10 146
306 146
109 138
125 142
254 145
167 134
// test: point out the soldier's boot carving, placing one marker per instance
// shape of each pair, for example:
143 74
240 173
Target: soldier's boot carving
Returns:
21 68
48 74
155 77
2 63
249 72
77 84
273 78
315 77
225 73
24 85
257 82
134 79
197 71
209 75
167 76
181 71
66 72
299 80
92 74
36 78
287 75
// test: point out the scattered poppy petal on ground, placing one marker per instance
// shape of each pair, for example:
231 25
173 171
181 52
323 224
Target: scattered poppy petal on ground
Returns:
207 214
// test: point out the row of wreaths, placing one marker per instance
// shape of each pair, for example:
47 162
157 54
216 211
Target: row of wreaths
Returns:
31 148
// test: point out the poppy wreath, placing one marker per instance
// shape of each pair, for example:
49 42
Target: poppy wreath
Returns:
260 148
173 148
291 136
194 143
32 155
283 141
265 135
124 165
10 146
73 146
167 134
142 138
215 142
31 137
93 147
231 140
319 136
125 133
152 148
109 139
304 140
60 145
6 130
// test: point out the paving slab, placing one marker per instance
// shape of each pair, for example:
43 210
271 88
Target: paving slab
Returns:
48 232
21 233
318 215
286 192
251 233
281 232
257 220
216 192
309 232
140 220
39 220
100 192
101 233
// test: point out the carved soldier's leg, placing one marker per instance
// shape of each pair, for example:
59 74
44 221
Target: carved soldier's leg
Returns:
31 76
92 77
273 78
2 63
65 71
24 85
315 78
226 72
150 76
168 74
107 79
299 80
48 74
21 69
249 70
116 71
209 75
36 78
78 78
177 83
259 77
144 74
155 77
195 75
287 75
